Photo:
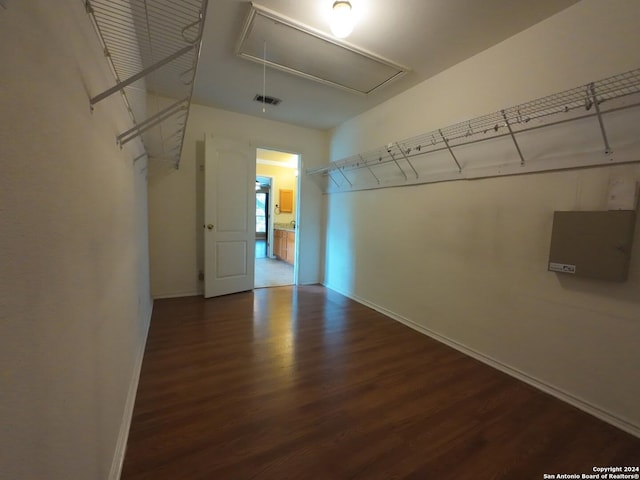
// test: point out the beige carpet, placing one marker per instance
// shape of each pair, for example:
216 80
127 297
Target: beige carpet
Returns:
272 273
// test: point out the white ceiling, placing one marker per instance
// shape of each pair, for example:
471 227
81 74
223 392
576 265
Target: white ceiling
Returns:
281 159
428 36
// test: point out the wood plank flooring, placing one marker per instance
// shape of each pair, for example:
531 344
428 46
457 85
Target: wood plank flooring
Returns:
303 383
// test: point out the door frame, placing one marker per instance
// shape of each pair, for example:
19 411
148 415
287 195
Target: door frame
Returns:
269 221
275 148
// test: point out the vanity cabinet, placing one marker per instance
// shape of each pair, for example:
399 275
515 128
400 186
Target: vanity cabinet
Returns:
284 246
291 247
279 246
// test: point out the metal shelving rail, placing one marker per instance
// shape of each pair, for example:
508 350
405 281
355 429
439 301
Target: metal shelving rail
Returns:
152 47
407 162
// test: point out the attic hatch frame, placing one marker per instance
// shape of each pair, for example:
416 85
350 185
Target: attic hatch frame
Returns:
402 162
286 61
133 36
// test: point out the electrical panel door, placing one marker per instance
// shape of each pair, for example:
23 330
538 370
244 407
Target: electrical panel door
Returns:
592 244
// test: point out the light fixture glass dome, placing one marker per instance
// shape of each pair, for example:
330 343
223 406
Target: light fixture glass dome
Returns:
341 19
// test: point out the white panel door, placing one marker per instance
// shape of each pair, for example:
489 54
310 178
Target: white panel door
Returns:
229 216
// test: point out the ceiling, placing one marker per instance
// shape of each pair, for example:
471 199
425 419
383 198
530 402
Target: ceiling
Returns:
280 159
427 36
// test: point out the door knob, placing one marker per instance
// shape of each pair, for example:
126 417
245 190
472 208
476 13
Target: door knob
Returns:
210 226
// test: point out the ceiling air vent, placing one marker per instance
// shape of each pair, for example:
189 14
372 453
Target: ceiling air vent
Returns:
266 99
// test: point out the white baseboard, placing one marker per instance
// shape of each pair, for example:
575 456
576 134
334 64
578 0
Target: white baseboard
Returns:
559 393
121 445
176 295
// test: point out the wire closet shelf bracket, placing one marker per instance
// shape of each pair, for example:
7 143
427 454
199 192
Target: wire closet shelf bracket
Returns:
152 47
589 125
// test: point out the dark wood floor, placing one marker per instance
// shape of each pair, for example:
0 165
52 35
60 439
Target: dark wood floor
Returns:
302 383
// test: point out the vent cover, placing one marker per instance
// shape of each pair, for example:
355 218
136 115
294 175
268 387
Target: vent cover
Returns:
302 51
266 99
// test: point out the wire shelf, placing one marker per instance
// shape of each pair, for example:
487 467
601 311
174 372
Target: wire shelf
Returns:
595 99
156 44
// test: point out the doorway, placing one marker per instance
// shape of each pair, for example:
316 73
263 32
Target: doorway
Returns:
263 201
276 218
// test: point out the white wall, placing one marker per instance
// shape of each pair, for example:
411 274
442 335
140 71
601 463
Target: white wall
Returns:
74 288
281 178
467 261
176 198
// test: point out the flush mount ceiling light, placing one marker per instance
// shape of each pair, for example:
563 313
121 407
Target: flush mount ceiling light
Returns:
341 22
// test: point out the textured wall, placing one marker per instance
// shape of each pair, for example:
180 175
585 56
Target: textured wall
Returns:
74 288
468 260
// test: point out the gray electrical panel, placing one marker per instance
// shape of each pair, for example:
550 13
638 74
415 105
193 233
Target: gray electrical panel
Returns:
592 244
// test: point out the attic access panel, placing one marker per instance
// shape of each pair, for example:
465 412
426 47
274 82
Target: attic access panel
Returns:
299 50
